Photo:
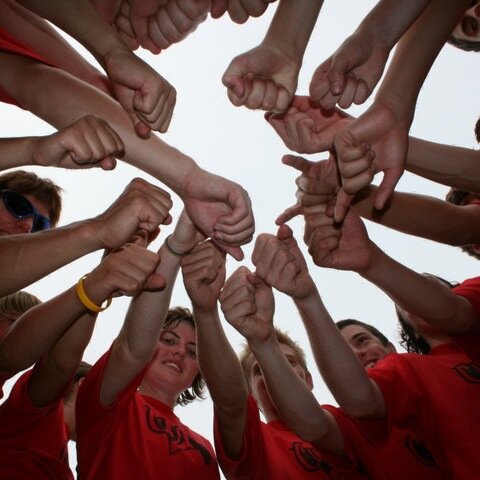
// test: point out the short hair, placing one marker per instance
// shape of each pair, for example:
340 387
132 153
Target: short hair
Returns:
341 324
43 189
283 338
459 197
464 44
196 391
16 304
409 338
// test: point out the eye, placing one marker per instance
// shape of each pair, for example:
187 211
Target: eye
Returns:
192 353
168 339
470 26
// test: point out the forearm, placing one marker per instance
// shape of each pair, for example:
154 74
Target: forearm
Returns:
296 404
292 26
418 49
79 19
77 99
453 166
219 364
16 152
44 252
338 365
421 295
432 219
388 21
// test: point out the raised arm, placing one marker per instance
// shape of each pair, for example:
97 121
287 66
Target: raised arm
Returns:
59 330
280 263
141 206
147 97
137 341
88 142
239 10
266 77
220 208
352 72
204 275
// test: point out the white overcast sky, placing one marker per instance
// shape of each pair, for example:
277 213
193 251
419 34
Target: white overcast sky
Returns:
237 143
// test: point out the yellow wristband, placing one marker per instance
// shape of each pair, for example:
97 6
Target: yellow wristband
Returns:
82 296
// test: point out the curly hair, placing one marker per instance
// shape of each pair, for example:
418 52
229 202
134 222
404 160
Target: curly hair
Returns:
197 390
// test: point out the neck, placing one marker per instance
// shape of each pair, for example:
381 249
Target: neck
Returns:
160 395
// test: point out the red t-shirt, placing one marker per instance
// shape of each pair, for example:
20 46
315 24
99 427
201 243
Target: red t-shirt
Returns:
33 441
436 395
138 437
273 452
9 44
397 455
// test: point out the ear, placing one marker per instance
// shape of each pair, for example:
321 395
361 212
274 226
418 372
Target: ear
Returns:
309 380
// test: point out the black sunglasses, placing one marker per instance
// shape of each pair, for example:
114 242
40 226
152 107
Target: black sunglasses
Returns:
20 207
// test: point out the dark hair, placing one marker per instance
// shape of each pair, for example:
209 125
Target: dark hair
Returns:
341 324
410 340
43 189
463 44
246 355
460 197
174 317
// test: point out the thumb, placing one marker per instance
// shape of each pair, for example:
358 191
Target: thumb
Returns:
342 205
288 214
336 75
218 8
155 281
284 232
387 186
297 162
235 252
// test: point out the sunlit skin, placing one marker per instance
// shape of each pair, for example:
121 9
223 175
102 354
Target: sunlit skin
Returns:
174 365
469 27
366 346
9 225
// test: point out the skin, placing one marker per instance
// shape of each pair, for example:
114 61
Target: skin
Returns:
10 225
469 26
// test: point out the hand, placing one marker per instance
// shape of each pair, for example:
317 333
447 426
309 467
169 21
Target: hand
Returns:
239 10
345 246
88 142
147 97
204 275
173 22
124 27
125 271
141 206
264 78
317 184
220 209
280 264
305 128
376 141
186 235
350 74
248 305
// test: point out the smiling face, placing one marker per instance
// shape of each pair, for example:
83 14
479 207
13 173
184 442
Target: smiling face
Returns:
174 365
10 225
367 347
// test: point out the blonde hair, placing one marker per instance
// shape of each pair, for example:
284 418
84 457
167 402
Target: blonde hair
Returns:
16 304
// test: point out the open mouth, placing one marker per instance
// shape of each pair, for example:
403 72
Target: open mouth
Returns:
173 365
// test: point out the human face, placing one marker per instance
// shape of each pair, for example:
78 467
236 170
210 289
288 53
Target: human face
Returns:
257 383
469 26
366 346
174 366
11 225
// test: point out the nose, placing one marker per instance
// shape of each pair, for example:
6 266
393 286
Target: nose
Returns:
24 225
179 350
476 10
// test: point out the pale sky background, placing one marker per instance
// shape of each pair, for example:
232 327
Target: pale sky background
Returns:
237 143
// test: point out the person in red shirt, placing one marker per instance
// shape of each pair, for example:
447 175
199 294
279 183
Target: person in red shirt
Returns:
128 398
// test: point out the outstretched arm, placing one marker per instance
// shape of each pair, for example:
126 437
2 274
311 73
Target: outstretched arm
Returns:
61 340
147 97
266 77
137 341
141 206
88 142
203 275
219 208
352 72
280 263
